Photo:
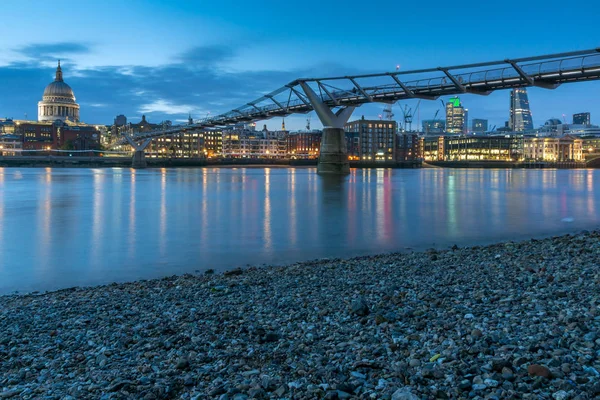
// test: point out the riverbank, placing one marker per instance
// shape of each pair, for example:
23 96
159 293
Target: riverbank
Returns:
511 320
125 162
511 164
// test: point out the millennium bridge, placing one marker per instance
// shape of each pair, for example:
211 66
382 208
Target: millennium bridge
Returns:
335 98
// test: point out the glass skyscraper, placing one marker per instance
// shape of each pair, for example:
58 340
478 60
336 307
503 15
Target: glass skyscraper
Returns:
455 116
520 114
582 119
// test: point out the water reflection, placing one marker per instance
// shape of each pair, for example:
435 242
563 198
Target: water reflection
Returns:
2 189
97 221
132 203
292 213
267 211
85 227
44 219
163 213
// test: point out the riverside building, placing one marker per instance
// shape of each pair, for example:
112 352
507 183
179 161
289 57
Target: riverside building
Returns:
471 148
377 138
304 144
551 149
252 144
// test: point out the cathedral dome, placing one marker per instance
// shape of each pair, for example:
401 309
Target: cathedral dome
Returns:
59 89
58 101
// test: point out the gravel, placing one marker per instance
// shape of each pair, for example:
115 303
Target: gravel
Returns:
511 320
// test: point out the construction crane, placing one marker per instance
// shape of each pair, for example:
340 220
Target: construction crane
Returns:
388 114
408 115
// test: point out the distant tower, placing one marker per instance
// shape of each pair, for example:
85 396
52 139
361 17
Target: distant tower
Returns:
520 115
455 116
190 120
283 124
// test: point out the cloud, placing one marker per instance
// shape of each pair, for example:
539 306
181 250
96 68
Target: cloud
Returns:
53 51
167 107
206 56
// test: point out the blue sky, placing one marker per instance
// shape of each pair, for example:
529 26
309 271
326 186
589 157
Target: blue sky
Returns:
167 58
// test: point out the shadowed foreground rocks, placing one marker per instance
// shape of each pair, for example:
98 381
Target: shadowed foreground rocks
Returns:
512 320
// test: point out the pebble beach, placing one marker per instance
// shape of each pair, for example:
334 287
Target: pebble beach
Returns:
516 320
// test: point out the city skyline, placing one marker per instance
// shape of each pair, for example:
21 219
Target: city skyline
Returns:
211 60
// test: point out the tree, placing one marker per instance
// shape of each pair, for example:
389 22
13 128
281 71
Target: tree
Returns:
68 145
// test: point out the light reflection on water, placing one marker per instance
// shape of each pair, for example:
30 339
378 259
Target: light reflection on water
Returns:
67 227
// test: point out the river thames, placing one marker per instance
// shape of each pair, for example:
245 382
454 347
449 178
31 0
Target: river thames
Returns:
79 227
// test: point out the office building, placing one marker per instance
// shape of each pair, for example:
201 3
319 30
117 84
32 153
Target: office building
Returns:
473 148
479 126
520 119
455 116
434 126
582 119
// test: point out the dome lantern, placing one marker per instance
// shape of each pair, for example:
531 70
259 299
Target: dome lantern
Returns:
59 77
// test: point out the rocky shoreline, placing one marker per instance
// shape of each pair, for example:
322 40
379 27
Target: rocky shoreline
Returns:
511 320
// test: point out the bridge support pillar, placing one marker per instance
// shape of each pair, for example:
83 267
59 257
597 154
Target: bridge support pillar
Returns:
139 157
333 156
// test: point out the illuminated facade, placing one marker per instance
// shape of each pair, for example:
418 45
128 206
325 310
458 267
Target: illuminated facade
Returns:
497 148
455 116
304 145
472 148
185 145
520 115
58 101
10 145
7 126
247 144
566 148
377 138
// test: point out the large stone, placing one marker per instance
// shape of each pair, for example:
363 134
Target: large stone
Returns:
359 307
404 394
539 370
